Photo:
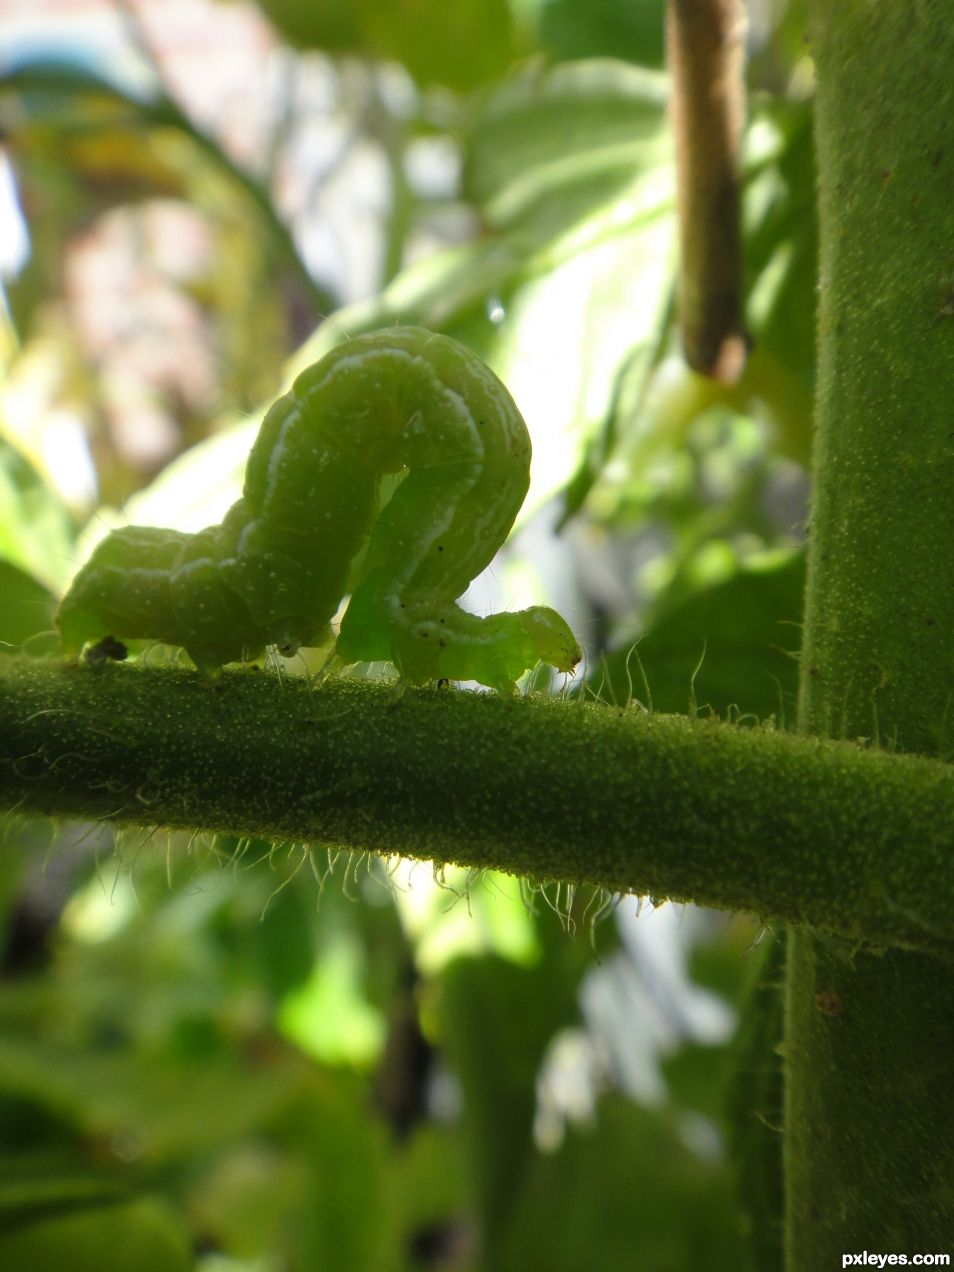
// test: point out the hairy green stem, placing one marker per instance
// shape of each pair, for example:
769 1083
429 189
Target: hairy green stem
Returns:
847 838
870 1039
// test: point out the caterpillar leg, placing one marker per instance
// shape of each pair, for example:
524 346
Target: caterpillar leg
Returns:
430 641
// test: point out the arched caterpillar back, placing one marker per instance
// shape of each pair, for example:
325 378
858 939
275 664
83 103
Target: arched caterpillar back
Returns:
275 570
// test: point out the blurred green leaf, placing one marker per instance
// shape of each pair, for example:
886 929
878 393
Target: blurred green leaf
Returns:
248 1198
781 264
134 1236
725 647
30 1191
551 145
63 98
335 25
755 1107
27 608
36 535
571 169
781 240
453 917
432 1179
457 43
285 944
159 1106
644 1188
497 1019
328 1015
603 28
348 1220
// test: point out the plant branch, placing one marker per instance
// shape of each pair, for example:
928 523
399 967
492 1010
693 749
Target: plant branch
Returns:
850 839
705 53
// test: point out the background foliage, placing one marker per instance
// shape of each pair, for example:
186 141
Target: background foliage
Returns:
201 1065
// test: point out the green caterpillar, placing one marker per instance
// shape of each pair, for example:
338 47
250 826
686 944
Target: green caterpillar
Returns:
400 401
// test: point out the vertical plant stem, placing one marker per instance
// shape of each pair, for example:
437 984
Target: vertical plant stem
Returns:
705 53
870 1038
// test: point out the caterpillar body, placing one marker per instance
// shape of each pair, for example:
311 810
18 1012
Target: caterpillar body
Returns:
273 573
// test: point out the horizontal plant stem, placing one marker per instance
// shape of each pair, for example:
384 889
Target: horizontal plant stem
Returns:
855 841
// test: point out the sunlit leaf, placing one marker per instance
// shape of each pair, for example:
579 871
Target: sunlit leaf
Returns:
35 533
458 43
570 166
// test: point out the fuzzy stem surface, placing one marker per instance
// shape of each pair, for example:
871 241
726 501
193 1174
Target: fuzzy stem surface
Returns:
835 834
869 1044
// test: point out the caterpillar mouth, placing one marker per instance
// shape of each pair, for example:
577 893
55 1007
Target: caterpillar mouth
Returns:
295 634
286 641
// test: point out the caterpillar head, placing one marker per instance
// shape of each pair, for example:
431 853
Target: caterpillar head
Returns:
550 637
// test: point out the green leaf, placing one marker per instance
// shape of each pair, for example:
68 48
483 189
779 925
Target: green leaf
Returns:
27 608
328 1015
781 240
247 1200
161 1106
755 1107
781 265
36 532
284 941
31 1192
571 169
551 145
497 1019
725 648
136 1236
457 43
629 1192
603 28
348 1219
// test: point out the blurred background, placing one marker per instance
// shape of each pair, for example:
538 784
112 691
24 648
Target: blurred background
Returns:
241 1057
